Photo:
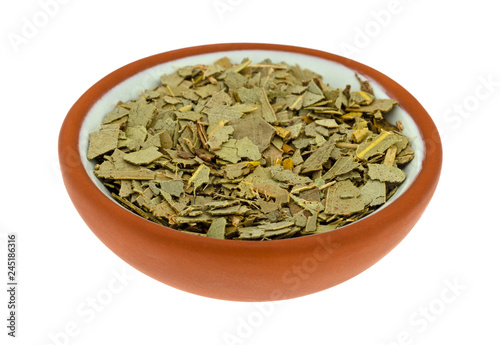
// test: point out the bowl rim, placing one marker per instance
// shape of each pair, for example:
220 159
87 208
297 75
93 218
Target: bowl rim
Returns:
74 173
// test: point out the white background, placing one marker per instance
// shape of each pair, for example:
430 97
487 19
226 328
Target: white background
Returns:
441 52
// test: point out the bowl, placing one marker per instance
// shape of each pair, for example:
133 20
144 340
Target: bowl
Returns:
246 270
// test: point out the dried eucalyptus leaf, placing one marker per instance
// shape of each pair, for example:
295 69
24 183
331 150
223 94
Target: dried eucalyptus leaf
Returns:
346 189
373 193
219 136
378 145
228 151
143 157
336 205
207 90
386 173
200 176
175 188
342 166
102 141
247 149
140 174
261 132
287 176
217 228
141 113
383 105
117 113
222 113
173 79
250 233
328 123
267 111
319 157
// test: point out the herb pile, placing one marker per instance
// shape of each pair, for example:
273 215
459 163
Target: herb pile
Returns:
250 152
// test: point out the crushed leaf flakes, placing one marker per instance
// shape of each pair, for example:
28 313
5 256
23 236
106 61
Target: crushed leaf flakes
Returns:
251 151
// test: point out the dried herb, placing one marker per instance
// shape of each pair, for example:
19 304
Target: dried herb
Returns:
251 151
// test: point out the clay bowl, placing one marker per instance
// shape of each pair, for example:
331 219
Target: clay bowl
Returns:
243 270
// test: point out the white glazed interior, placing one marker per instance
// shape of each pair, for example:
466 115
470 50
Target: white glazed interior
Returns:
333 73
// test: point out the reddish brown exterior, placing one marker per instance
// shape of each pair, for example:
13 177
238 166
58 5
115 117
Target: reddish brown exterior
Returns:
238 270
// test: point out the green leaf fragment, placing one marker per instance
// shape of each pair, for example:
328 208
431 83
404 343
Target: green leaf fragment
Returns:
175 188
314 88
227 211
328 123
207 90
222 113
256 129
267 111
310 98
319 157
188 115
141 113
171 100
102 141
378 145
117 113
217 228
123 174
386 173
200 176
219 136
247 149
342 166
143 157
346 189
288 176
383 105
173 79
338 205
213 69
373 193
228 151
162 210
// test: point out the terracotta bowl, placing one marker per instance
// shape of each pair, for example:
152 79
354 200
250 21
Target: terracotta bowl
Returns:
243 270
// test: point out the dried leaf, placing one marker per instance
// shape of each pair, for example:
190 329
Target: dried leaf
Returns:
117 113
219 136
101 142
346 189
267 111
328 123
386 173
280 174
261 134
373 193
378 145
383 105
364 85
319 157
143 157
342 166
336 205
200 176
175 188
141 113
217 228
247 149
115 174
228 151
280 195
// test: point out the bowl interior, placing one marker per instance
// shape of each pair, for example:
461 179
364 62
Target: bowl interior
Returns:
335 74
